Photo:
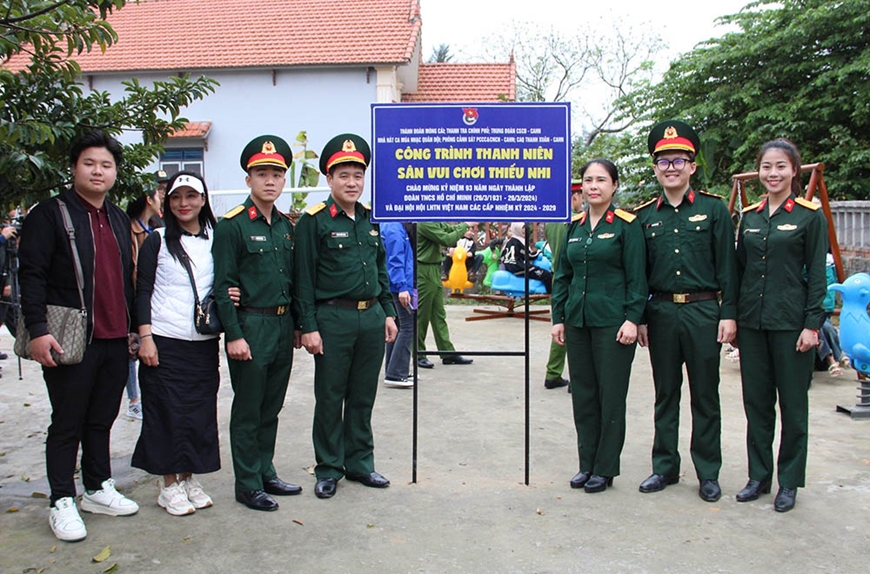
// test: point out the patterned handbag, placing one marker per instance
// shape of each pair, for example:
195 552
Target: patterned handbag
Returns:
68 325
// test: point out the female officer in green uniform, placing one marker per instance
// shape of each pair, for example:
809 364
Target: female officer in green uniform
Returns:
781 250
599 294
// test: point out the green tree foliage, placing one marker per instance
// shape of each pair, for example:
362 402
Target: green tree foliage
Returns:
441 54
795 68
43 107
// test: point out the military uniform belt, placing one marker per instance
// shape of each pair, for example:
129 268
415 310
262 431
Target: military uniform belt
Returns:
350 303
681 298
279 310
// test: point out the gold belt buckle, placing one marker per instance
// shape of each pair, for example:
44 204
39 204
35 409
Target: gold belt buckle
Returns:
281 309
362 305
681 297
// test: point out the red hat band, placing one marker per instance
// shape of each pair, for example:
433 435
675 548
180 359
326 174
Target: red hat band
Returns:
677 143
267 156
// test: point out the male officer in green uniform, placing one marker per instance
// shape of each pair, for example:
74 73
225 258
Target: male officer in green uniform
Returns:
253 250
346 313
555 234
431 237
690 265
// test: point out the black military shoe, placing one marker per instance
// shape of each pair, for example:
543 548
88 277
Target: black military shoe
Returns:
257 500
456 360
579 480
278 487
657 482
325 488
373 479
785 499
753 489
710 490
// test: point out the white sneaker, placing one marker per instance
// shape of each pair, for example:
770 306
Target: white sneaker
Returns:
134 410
195 494
65 521
403 383
109 501
174 499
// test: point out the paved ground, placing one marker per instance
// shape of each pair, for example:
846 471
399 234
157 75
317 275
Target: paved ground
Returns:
469 510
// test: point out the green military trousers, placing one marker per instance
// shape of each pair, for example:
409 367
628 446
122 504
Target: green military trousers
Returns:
430 307
556 361
259 387
771 366
678 334
345 385
600 369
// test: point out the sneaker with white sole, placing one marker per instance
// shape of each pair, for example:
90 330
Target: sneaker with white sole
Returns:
400 383
65 521
134 410
109 501
195 494
174 499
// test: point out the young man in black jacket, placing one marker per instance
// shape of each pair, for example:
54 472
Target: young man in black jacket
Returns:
84 397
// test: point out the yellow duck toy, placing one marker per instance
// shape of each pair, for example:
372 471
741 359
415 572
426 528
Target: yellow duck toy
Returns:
458 278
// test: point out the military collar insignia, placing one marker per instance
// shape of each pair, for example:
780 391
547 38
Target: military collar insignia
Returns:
761 206
789 204
690 196
660 202
333 210
609 217
252 212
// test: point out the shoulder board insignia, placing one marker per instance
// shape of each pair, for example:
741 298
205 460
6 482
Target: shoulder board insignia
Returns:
805 203
367 206
287 215
234 212
624 215
707 193
647 204
317 207
753 206
577 217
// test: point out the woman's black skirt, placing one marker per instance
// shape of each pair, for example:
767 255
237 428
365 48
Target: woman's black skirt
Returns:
179 401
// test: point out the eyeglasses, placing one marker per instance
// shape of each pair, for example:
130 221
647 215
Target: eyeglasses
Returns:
665 164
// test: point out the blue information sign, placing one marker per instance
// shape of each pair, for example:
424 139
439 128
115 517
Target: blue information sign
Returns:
471 162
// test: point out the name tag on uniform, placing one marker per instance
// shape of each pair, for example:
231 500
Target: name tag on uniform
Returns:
339 234
745 231
574 240
699 217
656 224
258 238
787 227
606 236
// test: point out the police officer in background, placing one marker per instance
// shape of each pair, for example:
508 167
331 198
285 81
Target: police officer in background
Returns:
347 314
253 250
690 264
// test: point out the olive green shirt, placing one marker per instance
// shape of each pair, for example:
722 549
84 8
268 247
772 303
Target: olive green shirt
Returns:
555 235
781 266
338 257
431 237
690 248
256 257
601 279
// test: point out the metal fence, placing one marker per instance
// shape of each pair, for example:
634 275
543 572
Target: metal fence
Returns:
852 222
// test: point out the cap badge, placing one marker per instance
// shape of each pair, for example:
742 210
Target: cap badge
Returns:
670 133
348 147
268 147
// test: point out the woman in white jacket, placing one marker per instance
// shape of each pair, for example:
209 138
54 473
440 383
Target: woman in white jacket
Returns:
178 374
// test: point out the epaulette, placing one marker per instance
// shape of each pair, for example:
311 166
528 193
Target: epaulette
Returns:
647 204
752 207
577 217
624 215
317 207
807 204
367 206
234 212
711 194
287 215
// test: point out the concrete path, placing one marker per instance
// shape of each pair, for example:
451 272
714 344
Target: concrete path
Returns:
469 510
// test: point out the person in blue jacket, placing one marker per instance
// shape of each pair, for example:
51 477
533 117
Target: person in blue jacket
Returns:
400 242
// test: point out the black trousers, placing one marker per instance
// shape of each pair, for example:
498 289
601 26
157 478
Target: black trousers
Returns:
85 399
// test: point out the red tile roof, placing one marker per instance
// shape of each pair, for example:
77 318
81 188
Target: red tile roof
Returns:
465 83
192 130
206 34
